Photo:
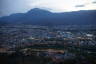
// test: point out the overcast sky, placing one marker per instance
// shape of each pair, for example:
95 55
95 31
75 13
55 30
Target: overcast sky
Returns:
8 7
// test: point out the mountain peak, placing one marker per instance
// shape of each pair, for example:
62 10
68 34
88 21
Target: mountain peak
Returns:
38 10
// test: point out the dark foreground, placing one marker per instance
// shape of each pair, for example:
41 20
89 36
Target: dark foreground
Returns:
27 44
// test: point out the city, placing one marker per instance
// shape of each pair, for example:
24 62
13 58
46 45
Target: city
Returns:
27 44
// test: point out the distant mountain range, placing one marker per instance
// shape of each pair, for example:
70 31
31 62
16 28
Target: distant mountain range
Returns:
43 17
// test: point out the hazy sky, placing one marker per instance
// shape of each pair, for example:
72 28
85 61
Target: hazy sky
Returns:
8 7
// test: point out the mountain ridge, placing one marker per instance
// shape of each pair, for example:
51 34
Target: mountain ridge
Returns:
43 17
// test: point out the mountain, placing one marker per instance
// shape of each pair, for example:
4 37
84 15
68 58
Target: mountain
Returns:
43 17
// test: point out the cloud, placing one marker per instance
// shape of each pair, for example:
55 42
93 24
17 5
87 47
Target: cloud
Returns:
94 2
64 5
80 5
